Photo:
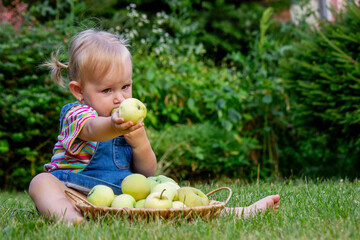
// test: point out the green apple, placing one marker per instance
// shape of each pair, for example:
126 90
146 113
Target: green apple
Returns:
136 185
155 180
158 200
140 203
101 196
163 178
132 109
152 181
192 197
123 201
175 185
178 205
170 190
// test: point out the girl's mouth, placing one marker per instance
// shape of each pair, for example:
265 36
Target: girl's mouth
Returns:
114 110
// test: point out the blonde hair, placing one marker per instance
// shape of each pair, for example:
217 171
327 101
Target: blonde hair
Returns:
93 54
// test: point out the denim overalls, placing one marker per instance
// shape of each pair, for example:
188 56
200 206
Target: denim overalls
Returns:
109 165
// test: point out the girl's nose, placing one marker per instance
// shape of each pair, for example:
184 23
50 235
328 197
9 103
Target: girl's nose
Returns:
119 98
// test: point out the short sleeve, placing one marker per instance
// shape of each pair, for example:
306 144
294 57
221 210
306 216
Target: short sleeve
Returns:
74 121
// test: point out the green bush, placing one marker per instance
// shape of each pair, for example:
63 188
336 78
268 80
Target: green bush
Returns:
30 101
267 102
203 149
208 28
322 79
180 89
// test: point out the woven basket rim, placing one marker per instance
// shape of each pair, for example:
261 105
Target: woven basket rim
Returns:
214 204
209 211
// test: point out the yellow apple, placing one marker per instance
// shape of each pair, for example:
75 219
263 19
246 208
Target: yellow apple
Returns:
170 190
178 205
123 201
132 109
140 203
192 197
136 185
101 196
158 200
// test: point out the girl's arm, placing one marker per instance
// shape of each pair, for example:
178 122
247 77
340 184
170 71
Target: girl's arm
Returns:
101 129
144 159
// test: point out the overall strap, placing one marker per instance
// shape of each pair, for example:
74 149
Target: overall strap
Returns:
64 110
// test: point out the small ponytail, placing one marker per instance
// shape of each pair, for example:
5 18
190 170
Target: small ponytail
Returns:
55 67
93 53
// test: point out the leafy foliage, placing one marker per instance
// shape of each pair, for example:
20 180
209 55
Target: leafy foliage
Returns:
267 108
322 77
204 149
30 102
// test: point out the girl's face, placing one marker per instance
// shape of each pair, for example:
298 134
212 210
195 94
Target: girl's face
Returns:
107 93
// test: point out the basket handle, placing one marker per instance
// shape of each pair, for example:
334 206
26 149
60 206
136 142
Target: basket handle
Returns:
75 197
219 189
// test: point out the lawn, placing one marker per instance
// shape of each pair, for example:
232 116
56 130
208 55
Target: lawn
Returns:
309 209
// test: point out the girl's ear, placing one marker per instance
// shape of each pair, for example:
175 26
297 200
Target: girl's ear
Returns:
75 89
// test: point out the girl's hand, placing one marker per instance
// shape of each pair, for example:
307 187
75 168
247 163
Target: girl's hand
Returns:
122 127
137 138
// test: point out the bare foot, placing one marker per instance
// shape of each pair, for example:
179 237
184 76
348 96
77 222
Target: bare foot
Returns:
75 221
269 202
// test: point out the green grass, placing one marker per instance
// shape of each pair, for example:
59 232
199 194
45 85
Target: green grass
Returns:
313 209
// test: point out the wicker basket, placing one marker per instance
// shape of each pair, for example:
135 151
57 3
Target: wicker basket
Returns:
204 212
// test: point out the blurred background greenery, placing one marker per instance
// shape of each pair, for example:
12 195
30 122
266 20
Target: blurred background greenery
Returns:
231 90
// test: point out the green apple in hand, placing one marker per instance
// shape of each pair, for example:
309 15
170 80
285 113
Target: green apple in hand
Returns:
123 201
132 109
192 197
140 203
171 190
158 200
101 196
136 185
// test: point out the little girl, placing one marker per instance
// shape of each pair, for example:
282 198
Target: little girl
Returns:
96 146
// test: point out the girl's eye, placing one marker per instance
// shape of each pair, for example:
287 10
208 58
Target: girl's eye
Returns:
126 86
106 90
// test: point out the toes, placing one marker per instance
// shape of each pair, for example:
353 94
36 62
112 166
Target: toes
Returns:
276 198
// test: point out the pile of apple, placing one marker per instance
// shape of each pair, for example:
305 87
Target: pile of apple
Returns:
152 192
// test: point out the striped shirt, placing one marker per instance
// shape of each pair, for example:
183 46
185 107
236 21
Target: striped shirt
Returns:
71 153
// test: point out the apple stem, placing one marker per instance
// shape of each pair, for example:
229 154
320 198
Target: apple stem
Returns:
162 193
